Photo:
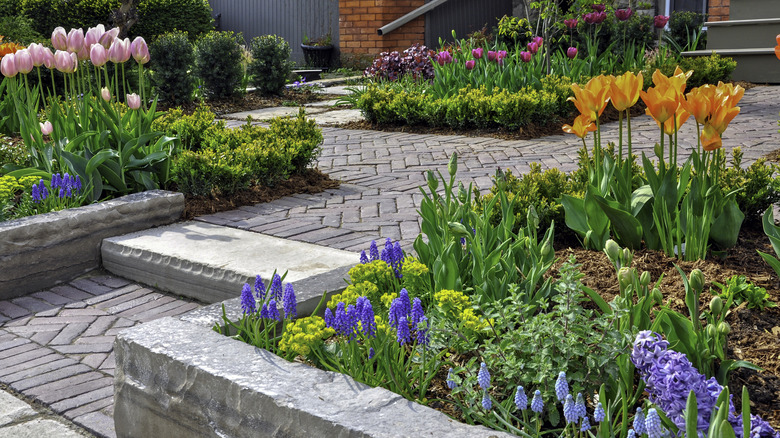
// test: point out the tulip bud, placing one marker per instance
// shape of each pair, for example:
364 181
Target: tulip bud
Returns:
98 55
696 280
452 166
525 56
571 52
711 331
613 250
625 277
659 151
658 297
23 60
644 279
546 248
8 66
105 94
470 64
93 35
59 39
716 305
133 101
462 194
46 128
458 229
75 40
140 50
724 328
433 182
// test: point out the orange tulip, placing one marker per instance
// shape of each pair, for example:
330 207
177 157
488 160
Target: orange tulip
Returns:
676 82
699 102
624 90
674 123
8 48
581 126
661 103
777 47
716 126
592 99
729 94
710 139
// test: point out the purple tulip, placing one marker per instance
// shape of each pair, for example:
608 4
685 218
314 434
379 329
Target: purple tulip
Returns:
444 57
572 52
83 53
598 8
533 48
59 39
623 14
595 17
108 38
470 64
23 60
98 55
525 56
133 101
538 40
65 62
119 51
75 40
491 55
477 53
659 21
140 50
571 23
8 66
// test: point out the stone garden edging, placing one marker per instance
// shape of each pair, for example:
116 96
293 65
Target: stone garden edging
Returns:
40 251
177 377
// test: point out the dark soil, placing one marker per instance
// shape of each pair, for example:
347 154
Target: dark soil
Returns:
255 100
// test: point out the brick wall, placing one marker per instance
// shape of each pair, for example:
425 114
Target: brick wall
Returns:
359 20
718 10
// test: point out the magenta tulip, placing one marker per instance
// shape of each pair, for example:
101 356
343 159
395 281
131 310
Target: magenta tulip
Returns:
98 55
105 94
477 53
444 57
59 39
538 40
595 17
470 64
93 35
37 53
8 66
46 128
133 101
572 52
48 58
533 48
660 21
525 56
571 23
75 40
501 54
623 14
23 60
598 8
491 55
140 50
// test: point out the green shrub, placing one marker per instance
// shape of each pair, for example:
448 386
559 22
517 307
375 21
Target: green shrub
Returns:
270 66
84 13
19 29
740 290
43 13
191 129
683 25
757 185
706 69
156 17
9 8
171 58
218 64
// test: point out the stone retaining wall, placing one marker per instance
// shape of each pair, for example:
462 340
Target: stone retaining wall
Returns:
177 377
40 251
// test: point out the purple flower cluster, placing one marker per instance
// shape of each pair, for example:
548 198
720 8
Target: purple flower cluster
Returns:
350 320
670 376
405 315
276 287
61 186
393 255
39 192
289 303
248 304
269 310
415 61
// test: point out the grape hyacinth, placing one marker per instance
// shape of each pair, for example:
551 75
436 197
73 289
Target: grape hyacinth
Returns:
417 311
289 302
248 304
598 413
585 424
536 403
483 376
450 382
569 411
579 406
276 288
403 335
273 312
422 331
631 433
373 251
363 257
259 288
487 403
521 400
328 318
371 353
561 386
653 426
366 315
400 307
39 192
639 422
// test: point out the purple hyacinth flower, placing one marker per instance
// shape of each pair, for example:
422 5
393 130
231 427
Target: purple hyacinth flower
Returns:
367 320
417 311
371 353
569 411
363 257
653 426
77 184
264 311
55 181
639 422
403 335
259 288
328 318
422 328
579 406
387 253
44 192
289 302
36 194
276 288
450 382
248 304
373 251
487 404
483 376
598 414
561 386
399 308
585 424
537 405
521 400
273 312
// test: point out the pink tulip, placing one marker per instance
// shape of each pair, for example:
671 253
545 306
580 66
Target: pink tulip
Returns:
59 39
491 55
525 56
83 53
75 40
37 53
119 51
108 38
46 128
133 101
623 14
98 55
74 62
477 53
501 54
93 35
64 62
444 57
23 60
533 48
598 7
48 58
572 52
140 50
105 94
470 64
8 66
571 23
660 21
538 40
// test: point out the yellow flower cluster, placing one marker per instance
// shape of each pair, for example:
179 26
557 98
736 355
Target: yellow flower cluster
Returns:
458 305
377 272
353 292
387 299
301 335
416 276
9 186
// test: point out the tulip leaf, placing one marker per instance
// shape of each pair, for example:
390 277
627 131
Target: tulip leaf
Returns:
574 209
771 230
627 228
725 228
691 416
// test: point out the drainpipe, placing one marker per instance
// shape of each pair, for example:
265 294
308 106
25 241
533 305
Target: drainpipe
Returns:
387 28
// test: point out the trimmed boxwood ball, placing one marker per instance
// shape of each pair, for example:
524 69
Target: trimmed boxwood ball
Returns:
218 63
270 66
171 57
156 17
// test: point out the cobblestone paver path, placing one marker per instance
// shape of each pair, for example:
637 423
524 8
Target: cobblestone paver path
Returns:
56 346
381 172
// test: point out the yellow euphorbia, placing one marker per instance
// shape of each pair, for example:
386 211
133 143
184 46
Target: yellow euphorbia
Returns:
592 99
624 90
581 126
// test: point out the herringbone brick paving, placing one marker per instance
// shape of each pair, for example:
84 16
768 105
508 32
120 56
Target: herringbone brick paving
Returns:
381 172
56 346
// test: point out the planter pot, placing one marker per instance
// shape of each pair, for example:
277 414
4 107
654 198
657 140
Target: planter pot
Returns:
177 377
317 56
37 252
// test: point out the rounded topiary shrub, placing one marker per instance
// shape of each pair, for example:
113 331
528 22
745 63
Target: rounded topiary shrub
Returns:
43 13
218 63
85 13
156 17
171 59
270 66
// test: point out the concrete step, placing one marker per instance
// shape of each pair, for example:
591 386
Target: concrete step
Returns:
211 263
759 66
742 34
751 9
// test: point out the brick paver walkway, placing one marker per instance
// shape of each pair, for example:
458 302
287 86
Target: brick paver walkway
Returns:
381 171
56 346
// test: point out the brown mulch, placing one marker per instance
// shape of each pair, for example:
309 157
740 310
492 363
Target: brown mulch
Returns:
254 100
